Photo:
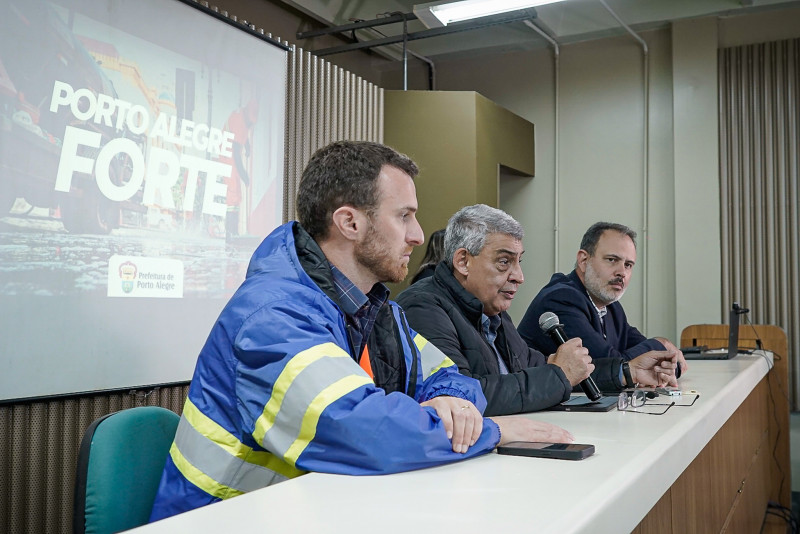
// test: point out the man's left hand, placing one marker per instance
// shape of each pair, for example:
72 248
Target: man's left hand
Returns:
670 346
655 368
462 420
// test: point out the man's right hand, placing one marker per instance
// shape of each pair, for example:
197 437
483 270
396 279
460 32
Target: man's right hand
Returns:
516 428
573 358
461 419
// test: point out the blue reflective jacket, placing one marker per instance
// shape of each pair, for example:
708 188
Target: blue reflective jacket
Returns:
276 391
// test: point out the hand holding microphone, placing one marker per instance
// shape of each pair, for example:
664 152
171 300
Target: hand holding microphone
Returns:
573 358
549 324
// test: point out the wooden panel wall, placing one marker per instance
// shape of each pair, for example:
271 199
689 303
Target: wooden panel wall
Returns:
727 487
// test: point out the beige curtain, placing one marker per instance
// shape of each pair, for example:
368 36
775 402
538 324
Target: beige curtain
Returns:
759 97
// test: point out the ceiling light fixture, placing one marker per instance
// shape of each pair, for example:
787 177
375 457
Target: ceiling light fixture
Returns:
438 14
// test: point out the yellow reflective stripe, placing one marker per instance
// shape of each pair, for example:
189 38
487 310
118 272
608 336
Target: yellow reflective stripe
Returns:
213 431
447 362
228 442
200 479
308 428
295 366
421 342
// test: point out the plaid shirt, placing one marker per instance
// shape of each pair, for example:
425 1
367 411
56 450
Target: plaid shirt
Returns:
359 309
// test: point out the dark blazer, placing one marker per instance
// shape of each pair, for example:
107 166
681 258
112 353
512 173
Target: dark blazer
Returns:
449 316
566 296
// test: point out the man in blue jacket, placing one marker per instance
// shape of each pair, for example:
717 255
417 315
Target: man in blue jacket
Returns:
311 368
586 300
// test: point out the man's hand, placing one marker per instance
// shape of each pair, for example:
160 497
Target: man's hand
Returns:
515 428
462 420
655 368
573 358
670 346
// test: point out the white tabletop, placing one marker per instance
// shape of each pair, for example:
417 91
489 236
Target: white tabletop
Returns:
637 459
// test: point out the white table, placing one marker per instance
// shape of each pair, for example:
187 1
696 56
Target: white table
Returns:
638 457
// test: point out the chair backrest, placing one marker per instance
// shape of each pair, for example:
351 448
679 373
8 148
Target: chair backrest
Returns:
120 461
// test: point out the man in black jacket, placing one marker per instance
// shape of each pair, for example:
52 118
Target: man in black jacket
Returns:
462 310
586 300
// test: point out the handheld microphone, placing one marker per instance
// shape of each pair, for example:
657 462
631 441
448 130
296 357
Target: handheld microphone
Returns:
548 322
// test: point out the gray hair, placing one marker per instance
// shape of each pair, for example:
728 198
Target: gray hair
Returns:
470 226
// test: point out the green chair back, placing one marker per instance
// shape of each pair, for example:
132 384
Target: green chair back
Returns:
120 461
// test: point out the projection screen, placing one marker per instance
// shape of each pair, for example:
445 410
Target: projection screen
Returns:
141 163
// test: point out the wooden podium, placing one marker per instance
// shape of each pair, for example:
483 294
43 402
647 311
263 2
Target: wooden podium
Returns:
727 487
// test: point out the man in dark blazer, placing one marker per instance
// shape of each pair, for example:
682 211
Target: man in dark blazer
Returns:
461 309
586 300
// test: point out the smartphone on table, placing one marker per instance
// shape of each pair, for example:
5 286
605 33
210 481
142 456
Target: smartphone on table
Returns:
563 451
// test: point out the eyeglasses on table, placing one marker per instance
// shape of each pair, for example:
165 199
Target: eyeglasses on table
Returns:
633 400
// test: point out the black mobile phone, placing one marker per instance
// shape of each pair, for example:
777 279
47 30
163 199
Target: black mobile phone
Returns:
564 451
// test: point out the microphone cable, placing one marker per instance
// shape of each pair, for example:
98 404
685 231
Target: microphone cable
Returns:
784 513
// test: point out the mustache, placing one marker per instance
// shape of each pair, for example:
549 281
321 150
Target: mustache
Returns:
616 281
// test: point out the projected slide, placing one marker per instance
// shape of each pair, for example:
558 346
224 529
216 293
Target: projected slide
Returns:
141 157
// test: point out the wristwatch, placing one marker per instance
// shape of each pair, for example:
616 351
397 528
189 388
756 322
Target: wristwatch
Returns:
626 372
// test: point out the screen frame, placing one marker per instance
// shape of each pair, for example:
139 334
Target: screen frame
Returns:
202 323
248 28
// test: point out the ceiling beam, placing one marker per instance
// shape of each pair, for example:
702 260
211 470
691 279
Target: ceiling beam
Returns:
399 17
505 18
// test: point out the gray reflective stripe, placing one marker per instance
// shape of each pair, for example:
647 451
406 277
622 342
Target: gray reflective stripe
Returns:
304 389
220 465
431 358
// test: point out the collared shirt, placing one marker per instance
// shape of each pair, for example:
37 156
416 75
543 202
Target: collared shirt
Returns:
601 313
490 326
359 309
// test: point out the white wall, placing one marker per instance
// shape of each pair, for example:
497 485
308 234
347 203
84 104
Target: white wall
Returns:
601 174
601 106
696 155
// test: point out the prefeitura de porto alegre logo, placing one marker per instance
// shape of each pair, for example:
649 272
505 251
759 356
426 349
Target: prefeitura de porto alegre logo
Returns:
127 275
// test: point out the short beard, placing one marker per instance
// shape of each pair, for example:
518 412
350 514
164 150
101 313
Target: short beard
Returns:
372 252
597 287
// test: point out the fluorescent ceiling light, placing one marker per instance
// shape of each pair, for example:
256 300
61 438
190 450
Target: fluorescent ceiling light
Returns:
437 14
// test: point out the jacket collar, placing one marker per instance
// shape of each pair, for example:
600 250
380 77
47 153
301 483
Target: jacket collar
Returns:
590 305
313 261
469 303
576 280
